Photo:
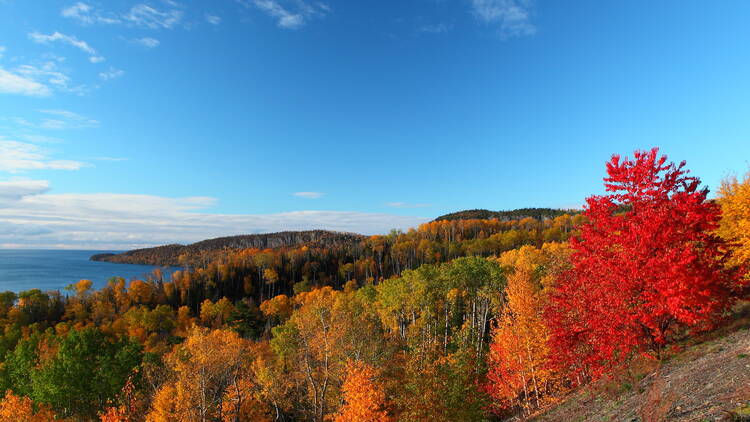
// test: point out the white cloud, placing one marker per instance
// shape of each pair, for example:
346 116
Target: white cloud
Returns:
407 205
145 15
2 50
294 15
125 221
308 195
13 83
66 39
147 42
112 73
512 17
213 19
17 156
86 15
79 11
47 73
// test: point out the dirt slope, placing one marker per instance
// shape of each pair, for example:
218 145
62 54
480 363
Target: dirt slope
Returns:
707 382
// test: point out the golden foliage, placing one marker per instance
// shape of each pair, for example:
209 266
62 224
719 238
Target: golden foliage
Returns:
364 398
734 199
14 408
210 380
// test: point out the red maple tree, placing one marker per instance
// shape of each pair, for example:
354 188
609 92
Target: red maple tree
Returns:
645 266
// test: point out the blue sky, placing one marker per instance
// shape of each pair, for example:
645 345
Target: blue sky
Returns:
142 122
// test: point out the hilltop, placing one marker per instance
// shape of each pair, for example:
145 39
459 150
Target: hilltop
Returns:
170 254
518 214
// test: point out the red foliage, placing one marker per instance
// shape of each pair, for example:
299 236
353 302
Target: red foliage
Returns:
645 265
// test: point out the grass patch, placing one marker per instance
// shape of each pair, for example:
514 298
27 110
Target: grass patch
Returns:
740 414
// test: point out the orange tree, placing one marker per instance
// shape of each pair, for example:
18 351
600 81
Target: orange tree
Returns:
364 398
734 198
518 371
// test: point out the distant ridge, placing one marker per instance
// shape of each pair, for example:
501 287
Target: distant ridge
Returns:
170 254
537 213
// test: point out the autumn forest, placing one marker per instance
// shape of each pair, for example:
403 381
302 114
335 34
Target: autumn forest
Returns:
473 317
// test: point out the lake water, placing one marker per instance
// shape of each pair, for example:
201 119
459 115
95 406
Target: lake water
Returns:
54 269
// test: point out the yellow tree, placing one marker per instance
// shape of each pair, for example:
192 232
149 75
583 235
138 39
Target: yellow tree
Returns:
184 321
164 407
277 309
518 373
241 404
364 398
273 384
547 262
326 328
140 292
734 227
215 315
319 331
209 369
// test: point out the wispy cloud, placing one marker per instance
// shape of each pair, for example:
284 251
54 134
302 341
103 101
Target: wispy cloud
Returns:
55 119
112 73
291 15
110 159
67 39
40 139
124 221
2 51
86 15
64 119
18 156
213 19
147 42
437 28
308 195
50 75
407 205
150 17
512 17
14 83
140 14
79 11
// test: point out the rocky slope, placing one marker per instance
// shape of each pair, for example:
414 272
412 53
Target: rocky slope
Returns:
706 382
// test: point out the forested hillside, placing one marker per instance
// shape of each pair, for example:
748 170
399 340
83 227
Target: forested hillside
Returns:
199 253
332 259
455 320
536 213
177 255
